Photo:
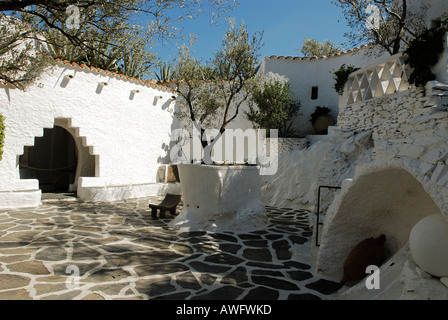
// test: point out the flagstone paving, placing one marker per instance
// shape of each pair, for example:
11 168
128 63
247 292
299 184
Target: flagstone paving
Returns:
78 250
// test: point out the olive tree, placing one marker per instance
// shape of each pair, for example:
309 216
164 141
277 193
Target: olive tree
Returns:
106 33
211 94
387 23
311 47
273 106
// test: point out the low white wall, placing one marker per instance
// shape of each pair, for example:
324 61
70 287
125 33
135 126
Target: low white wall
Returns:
125 125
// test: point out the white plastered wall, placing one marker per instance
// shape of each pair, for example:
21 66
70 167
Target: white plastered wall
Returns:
124 124
305 73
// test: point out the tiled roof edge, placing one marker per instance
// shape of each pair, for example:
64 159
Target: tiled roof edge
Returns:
149 83
365 46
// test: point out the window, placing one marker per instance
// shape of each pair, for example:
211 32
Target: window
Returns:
314 93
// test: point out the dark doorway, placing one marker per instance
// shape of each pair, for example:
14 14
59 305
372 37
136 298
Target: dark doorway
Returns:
52 160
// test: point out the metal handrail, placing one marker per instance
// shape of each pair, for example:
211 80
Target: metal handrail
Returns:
318 211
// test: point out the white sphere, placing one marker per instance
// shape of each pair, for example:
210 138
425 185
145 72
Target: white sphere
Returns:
428 242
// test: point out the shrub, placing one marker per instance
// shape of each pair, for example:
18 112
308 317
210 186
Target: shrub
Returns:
424 52
276 108
341 77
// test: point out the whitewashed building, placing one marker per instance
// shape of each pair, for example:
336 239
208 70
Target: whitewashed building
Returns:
84 130
311 78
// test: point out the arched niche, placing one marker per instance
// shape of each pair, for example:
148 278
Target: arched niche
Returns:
386 201
58 159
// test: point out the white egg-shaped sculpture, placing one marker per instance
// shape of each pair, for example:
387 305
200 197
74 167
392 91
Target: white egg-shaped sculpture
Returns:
428 242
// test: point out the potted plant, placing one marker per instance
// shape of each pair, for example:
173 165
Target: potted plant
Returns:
275 107
210 96
321 120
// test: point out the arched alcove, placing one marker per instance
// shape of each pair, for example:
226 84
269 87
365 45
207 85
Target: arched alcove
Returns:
52 160
386 201
58 159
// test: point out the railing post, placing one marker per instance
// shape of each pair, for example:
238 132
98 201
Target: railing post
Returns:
318 211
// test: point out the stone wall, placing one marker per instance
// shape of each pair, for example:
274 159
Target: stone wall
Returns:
389 155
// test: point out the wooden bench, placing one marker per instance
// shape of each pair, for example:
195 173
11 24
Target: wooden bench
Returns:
169 203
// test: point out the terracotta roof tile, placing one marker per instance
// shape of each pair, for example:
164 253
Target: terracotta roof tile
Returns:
322 57
148 83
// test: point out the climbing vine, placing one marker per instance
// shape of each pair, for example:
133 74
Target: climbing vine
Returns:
424 52
341 77
2 134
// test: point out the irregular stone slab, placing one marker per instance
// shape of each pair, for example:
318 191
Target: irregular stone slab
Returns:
273 236
250 237
107 275
10 281
274 283
66 296
49 288
60 269
110 289
261 293
256 243
14 258
207 279
303 296
183 248
81 252
94 296
298 239
238 276
204 267
155 287
223 236
31 267
163 268
282 251
127 259
120 248
20 294
188 281
178 296
192 234
299 275
265 265
223 293
52 254
224 258
6 226
262 255
230 248
324 286
20 236
297 265
271 273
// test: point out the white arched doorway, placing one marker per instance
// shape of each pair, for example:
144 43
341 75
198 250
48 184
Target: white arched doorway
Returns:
57 159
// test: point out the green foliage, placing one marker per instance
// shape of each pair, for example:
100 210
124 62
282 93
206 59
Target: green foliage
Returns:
105 50
212 93
275 107
312 48
20 64
397 24
165 72
424 52
341 76
115 35
2 135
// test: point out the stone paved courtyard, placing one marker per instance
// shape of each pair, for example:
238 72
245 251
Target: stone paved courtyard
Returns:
120 253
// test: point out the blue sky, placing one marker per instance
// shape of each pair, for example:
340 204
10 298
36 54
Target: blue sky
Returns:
284 22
